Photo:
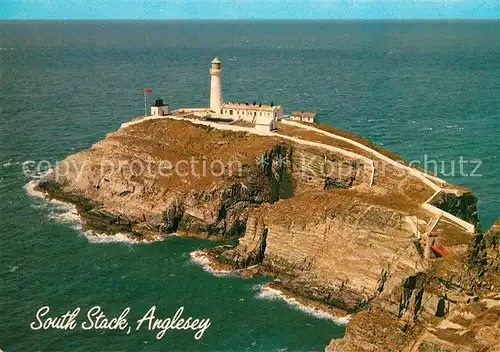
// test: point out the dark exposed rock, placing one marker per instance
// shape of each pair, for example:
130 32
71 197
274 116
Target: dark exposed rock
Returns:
173 216
463 206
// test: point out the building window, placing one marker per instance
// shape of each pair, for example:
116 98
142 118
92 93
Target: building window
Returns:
230 112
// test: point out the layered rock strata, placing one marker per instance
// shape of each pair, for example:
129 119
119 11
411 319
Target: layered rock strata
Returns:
311 217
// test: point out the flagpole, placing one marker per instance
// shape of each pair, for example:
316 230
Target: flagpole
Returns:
145 104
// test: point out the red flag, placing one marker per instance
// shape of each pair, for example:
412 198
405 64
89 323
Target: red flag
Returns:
148 90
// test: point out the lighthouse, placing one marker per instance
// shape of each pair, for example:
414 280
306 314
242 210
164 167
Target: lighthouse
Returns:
215 86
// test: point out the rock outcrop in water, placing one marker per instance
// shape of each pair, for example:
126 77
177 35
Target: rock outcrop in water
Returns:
305 214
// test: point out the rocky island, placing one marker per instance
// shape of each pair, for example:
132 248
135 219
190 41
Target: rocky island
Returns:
334 218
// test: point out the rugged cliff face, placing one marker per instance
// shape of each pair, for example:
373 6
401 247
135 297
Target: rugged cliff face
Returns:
462 205
483 259
454 306
172 176
304 214
332 246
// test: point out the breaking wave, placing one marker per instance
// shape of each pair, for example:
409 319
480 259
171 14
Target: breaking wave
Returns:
68 213
266 292
201 258
9 163
95 237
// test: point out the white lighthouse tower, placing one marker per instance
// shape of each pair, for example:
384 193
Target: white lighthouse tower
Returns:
215 86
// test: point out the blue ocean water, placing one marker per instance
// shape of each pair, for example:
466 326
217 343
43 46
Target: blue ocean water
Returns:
426 90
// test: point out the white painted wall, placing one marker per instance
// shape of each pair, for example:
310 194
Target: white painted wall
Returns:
279 112
263 128
249 115
215 86
159 110
302 118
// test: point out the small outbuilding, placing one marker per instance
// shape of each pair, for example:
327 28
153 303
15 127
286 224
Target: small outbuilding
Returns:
303 116
159 109
265 123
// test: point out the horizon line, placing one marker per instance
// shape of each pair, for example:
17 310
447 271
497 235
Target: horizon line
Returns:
256 19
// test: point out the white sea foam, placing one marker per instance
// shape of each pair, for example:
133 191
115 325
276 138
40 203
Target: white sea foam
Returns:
95 237
61 211
201 258
10 163
30 189
269 293
68 213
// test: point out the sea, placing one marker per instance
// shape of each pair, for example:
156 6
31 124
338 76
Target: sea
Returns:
427 90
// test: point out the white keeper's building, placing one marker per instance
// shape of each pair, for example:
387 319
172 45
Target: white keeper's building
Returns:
253 113
264 117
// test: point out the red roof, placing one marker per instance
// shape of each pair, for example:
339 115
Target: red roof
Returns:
439 250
